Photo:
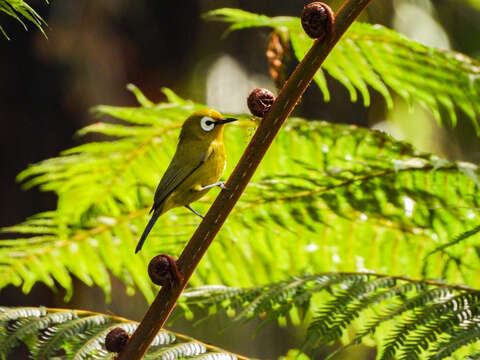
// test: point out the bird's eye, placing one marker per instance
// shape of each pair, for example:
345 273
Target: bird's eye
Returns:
207 123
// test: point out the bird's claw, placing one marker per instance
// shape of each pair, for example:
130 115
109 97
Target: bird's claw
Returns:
222 185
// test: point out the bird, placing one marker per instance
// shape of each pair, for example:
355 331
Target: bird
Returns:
196 167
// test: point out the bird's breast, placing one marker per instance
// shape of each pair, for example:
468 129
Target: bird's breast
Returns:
213 167
215 163
208 172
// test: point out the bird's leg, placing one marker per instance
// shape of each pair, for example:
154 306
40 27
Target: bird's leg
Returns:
220 184
195 212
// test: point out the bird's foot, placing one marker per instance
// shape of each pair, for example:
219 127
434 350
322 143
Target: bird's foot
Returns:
220 184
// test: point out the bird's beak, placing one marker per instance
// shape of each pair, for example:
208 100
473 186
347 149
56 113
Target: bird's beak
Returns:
224 121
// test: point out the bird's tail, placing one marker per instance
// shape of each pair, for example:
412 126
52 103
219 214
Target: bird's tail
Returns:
149 227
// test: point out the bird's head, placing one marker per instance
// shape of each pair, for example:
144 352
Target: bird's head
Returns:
204 125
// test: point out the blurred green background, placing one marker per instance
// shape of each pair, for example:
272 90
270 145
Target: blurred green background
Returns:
94 48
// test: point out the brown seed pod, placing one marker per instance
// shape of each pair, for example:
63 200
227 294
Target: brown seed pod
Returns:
318 20
260 101
116 340
163 270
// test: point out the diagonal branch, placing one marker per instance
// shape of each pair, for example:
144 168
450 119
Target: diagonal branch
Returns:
290 94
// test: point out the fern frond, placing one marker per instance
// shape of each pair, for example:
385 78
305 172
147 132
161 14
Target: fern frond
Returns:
85 252
19 9
339 312
372 56
414 315
28 325
349 197
334 195
241 19
75 334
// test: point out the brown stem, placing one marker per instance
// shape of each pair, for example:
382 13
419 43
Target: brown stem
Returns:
290 94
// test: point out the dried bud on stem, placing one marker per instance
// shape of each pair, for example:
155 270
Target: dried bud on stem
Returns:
163 270
278 56
318 20
116 340
260 101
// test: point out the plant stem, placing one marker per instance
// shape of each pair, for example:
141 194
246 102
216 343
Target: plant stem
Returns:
290 94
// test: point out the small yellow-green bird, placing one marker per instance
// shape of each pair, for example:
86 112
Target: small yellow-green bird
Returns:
196 167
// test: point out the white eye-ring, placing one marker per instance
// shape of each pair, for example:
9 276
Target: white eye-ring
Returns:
207 123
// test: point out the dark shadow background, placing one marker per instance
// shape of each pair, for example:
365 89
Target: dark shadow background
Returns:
94 48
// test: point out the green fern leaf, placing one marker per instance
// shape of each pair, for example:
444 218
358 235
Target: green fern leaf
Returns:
18 9
337 314
355 197
376 57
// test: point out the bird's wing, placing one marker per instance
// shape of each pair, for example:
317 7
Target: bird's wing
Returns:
182 166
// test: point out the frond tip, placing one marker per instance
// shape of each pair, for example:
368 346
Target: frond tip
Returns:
76 334
20 10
